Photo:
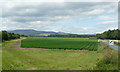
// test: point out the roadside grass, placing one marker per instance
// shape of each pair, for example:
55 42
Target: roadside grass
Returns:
119 60
60 43
28 59
117 43
0 56
110 59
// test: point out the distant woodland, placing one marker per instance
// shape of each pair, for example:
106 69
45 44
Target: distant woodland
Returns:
71 35
110 34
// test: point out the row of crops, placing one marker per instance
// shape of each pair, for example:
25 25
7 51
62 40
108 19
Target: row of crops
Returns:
61 43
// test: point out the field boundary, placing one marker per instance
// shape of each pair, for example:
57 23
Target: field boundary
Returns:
19 47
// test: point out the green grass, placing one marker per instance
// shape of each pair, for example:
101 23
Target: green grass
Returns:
37 59
110 59
61 43
117 43
28 59
0 56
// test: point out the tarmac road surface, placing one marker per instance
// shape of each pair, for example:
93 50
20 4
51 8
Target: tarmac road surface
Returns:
114 46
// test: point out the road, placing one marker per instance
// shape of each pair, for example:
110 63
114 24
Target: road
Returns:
114 46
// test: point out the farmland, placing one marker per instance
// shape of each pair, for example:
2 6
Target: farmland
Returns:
38 59
61 43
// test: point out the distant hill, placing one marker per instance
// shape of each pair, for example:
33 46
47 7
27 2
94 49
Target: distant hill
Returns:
31 32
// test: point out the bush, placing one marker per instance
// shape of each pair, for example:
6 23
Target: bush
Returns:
109 61
9 36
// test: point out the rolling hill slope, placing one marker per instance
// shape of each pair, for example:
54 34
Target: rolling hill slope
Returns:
31 32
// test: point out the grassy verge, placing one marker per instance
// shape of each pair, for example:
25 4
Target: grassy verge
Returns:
27 59
110 59
0 56
117 43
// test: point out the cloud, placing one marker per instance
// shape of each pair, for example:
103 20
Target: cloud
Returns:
108 22
83 30
72 29
47 15
94 12
56 9
103 17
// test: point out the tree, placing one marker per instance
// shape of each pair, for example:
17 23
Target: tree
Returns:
9 36
110 34
4 35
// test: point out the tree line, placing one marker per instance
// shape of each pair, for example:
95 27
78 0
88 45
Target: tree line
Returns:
110 34
71 35
8 36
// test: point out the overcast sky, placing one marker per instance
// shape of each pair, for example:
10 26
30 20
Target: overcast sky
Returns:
72 17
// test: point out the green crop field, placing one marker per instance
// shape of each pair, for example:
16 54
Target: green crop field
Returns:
60 43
